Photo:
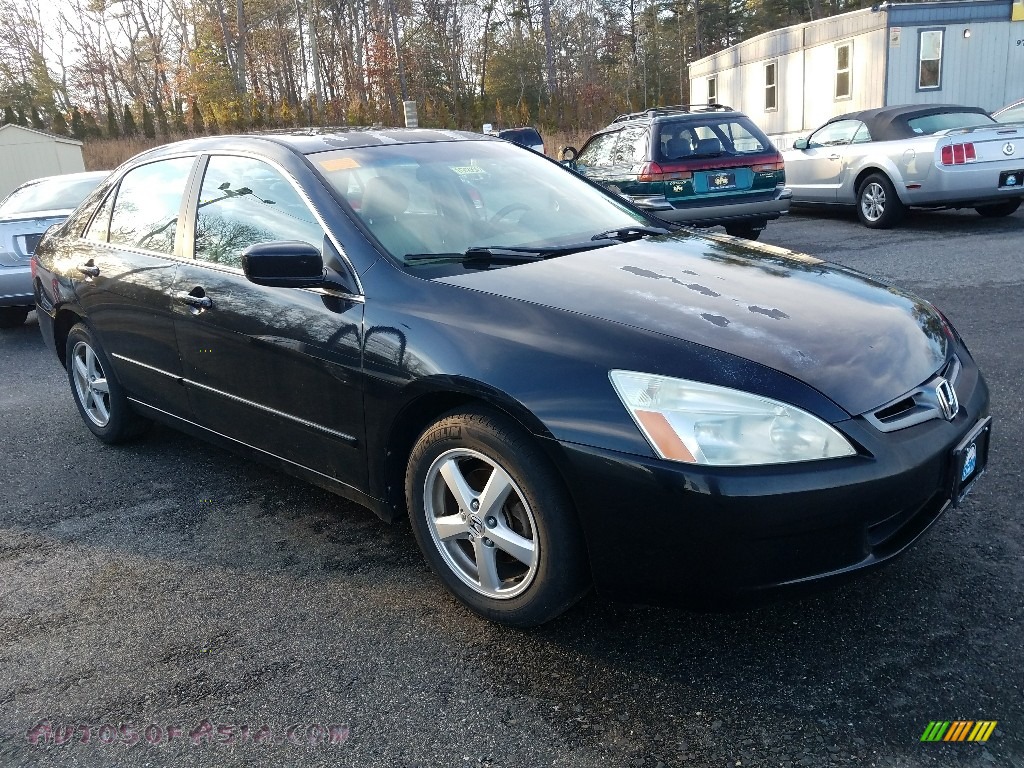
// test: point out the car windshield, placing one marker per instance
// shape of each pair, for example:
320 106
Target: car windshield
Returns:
457 198
55 194
709 137
947 121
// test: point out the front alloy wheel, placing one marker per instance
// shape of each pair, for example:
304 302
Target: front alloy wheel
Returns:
494 520
878 205
481 524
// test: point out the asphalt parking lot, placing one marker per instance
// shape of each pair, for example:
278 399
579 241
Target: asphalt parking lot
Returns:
169 584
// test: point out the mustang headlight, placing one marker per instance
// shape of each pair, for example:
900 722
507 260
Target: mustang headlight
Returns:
703 424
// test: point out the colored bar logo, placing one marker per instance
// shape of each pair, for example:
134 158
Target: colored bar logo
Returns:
959 730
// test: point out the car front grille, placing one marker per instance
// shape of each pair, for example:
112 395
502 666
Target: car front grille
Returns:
919 405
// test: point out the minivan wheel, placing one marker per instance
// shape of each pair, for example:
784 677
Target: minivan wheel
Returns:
878 205
100 399
493 519
12 317
745 231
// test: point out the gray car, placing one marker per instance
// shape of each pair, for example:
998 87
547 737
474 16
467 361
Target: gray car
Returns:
1011 113
25 215
887 160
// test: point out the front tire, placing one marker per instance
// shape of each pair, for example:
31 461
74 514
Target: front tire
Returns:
100 399
999 209
878 205
493 519
12 317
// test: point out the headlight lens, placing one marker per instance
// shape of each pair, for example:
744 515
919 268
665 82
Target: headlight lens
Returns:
700 423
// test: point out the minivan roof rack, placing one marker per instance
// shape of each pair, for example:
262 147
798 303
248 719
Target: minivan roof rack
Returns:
675 109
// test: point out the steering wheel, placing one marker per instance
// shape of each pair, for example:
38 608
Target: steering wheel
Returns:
507 211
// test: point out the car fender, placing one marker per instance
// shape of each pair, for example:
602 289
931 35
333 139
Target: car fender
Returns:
875 162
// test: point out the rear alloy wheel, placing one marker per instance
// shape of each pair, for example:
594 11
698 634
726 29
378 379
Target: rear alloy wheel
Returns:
999 209
878 205
745 231
100 400
493 519
12 317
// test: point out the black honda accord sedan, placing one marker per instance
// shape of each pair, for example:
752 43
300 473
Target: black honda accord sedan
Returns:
557 389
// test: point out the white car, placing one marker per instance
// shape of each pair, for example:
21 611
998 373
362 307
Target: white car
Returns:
25 215
887 160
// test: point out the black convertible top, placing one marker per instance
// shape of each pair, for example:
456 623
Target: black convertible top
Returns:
890 123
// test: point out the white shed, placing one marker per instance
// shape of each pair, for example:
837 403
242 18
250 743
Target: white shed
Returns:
26 154
792 80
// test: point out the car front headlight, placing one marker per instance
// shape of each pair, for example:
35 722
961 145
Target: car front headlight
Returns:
699 423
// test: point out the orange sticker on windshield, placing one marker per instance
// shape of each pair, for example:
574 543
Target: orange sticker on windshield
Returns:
339 164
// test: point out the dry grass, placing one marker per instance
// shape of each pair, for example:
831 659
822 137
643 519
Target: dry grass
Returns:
555 142
107 154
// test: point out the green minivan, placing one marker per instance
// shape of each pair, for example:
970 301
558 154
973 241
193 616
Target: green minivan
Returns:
701 165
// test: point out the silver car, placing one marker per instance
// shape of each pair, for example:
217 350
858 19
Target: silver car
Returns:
25 215
1011 113
930 156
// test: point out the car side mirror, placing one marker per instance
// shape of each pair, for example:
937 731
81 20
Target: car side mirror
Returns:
569 155
800 143
284 264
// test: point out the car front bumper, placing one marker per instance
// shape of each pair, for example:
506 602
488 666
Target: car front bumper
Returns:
16 286
714 537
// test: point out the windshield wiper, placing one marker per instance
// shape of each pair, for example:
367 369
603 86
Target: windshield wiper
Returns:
506 253
629 233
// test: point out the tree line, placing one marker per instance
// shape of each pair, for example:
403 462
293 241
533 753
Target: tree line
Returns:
112 68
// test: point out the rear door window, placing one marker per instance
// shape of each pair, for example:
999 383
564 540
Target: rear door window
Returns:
148 200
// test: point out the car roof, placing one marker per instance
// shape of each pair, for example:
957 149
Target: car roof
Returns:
308 141
83 175
1011 105
890 123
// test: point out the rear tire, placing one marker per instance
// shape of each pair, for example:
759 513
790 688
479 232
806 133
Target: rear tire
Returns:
746 231
878 205
12 317
494 520
98 395
999 209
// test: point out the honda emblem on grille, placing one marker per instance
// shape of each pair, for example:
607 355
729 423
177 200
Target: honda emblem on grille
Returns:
946 396
1008 149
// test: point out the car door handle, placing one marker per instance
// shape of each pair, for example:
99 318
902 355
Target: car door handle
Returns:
833 157
89 270
199 302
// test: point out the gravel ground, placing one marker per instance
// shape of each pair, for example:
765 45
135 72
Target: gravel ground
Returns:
169 583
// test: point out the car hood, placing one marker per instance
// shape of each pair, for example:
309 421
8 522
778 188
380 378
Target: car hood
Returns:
855 339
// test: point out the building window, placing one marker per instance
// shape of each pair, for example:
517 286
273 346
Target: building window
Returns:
930 56
771 88
843 55
712 90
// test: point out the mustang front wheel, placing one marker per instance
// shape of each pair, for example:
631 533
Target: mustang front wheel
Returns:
493 519
878 205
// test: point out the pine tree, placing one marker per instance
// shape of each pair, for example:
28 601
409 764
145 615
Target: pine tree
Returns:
147 123
179 118
8 117
22 120
60 124
198 125
77 124
161 119
113 129
37 120
91 128
128 120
